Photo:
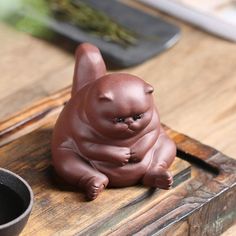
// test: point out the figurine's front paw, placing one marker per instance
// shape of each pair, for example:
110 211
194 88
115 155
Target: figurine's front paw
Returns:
158 178
122 156
95 187
134 157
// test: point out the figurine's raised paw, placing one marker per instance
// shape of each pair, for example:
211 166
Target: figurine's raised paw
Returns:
158 178
122 156
95 187
134 158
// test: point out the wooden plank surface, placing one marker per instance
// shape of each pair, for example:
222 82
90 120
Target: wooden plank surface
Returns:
30 70
195 81
121 211
60 210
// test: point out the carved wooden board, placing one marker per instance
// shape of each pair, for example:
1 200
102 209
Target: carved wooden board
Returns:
201 204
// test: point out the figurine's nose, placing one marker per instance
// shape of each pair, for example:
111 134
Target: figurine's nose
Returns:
129 120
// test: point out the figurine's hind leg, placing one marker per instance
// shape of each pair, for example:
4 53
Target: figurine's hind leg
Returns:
157 174
78 172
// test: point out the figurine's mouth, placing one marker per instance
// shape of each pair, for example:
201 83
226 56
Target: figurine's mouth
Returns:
130 130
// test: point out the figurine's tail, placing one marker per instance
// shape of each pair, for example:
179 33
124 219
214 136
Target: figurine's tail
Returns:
89 66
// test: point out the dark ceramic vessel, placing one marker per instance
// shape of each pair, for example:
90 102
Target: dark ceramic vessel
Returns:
16 201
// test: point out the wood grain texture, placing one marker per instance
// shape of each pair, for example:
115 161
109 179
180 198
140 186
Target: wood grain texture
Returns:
126 211
195 82
61 210
28 119
30 70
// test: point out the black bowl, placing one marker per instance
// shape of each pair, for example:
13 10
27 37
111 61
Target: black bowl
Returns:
16 202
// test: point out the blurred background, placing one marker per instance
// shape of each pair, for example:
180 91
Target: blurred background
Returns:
185 49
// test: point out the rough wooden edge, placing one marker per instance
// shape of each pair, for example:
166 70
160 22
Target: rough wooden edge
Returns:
203 206
32 117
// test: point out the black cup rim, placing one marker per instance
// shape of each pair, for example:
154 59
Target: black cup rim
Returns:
30 205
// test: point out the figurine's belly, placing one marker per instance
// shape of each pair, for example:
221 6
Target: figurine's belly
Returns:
122 176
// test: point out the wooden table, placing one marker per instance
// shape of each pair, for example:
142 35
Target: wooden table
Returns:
195 81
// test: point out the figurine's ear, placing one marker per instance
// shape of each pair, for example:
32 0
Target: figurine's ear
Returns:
89 66
149 89
106 97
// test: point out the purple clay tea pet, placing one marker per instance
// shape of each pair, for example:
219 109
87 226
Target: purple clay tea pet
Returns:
109 133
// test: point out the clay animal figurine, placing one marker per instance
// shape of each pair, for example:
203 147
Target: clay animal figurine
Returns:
109 132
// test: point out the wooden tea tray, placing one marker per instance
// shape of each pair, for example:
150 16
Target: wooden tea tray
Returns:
202 201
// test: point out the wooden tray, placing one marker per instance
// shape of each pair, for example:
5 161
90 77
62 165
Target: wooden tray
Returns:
202 201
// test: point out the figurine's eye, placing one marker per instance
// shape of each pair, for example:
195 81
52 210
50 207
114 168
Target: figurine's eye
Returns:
137 117
119 120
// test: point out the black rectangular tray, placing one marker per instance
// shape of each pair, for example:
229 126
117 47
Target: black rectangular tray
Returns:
154 34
